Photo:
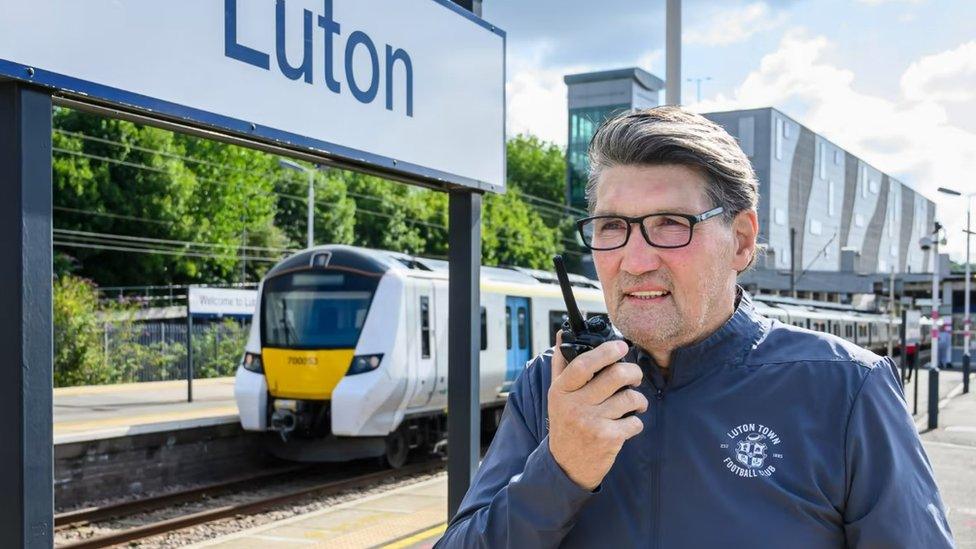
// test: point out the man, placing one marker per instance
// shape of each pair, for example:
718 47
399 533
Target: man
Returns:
747 432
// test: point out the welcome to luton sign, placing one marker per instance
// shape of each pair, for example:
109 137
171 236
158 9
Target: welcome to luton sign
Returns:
414 87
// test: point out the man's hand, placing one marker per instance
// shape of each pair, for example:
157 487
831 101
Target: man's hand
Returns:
586 401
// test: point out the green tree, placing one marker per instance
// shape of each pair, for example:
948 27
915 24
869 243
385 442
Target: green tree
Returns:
79 354
113 177
398 217
513 234
335 213
536 167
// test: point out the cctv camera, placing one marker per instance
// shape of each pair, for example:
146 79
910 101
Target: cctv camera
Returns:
925 242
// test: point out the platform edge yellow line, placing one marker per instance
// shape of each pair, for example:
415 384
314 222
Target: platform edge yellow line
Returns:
419 536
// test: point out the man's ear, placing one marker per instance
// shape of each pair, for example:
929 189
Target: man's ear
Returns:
745 230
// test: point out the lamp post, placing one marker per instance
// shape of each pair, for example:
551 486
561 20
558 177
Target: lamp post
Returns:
311 195
933 243
698 82
966 326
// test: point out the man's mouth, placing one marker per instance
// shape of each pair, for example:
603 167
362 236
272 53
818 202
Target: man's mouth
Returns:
648 295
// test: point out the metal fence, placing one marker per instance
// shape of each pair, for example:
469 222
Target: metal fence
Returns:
157 351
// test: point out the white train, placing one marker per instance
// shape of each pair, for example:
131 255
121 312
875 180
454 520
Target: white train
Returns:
347 354
869 330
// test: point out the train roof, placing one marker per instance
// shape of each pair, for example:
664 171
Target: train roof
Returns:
380 261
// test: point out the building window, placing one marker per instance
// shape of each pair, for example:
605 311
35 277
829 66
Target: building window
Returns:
583 123
873 186
893 249
882 266
779 216
831 207
816 228
823 160
858 220
747 134
787 129
837 157
779 139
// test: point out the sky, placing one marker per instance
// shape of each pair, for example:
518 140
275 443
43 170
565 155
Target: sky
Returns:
892 81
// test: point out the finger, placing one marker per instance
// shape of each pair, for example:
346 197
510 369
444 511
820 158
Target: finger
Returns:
558 361
611 379
630 426
582 369
623 402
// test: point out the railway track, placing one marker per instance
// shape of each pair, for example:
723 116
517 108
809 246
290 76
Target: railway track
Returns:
219 512
88 515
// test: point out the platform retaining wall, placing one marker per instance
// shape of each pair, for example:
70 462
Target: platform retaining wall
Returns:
126 467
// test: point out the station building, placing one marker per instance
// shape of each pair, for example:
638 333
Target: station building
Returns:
834 227
594 97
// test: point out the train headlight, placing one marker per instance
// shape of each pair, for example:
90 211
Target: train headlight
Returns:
364 363
252 362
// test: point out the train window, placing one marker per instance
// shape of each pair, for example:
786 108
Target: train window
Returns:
523 328
556 319
508 326
484 329
424 326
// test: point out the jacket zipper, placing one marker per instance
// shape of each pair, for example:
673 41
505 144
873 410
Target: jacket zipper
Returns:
656 468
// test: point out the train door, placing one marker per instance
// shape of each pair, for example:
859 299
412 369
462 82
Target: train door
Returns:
425 351
517 336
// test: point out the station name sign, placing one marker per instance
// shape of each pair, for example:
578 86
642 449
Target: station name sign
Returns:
222 301
415 87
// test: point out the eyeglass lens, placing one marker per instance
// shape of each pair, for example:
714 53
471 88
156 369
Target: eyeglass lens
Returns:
611 232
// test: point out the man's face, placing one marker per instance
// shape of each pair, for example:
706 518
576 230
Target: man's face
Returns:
698 279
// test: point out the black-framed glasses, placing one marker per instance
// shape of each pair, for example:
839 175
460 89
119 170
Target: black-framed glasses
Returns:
661 230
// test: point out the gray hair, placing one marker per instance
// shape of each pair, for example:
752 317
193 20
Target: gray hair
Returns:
671 135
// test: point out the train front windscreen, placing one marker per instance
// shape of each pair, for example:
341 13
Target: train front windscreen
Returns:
311 321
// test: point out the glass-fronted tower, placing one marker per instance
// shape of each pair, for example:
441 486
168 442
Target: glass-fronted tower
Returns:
593 97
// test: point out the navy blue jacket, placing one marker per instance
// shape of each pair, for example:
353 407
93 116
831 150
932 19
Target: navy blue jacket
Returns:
766 435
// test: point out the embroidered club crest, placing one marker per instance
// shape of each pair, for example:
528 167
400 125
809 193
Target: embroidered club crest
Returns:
750 450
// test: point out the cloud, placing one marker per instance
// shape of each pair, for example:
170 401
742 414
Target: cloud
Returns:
912 137
536 96
947 77
731 25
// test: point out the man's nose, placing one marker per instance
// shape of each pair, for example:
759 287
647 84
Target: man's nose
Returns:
639 257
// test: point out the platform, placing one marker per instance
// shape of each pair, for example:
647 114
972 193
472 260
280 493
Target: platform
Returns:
409 516
109 411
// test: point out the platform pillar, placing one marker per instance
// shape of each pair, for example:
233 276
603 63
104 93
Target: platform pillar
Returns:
26 455
463 333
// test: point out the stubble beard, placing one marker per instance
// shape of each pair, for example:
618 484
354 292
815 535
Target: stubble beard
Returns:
673 329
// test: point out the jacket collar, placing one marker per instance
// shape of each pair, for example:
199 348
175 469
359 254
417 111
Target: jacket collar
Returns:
727 345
